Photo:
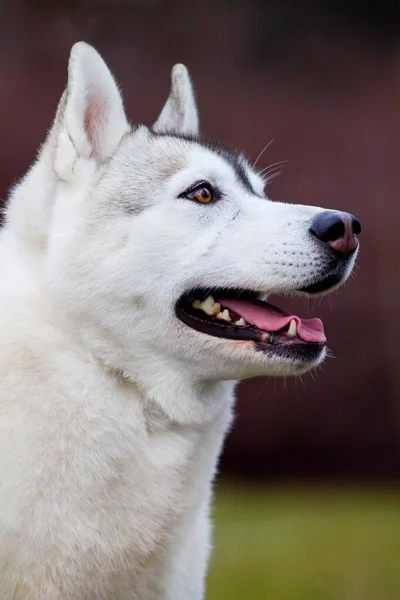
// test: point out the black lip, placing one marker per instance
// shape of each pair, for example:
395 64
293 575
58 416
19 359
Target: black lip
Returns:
299 351
216 328
334 272
323 284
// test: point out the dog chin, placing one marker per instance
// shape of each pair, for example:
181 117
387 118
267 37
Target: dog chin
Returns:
253 361
299 366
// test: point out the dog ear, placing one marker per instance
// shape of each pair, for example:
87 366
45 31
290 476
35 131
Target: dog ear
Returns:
179 114
91 117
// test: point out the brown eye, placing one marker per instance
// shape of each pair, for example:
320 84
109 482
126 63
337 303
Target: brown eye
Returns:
203 194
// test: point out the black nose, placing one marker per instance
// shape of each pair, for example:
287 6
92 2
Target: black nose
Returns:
338 229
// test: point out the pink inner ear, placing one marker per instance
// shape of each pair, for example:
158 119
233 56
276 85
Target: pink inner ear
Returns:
95 119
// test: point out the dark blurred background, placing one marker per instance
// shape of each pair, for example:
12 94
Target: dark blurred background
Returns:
322 79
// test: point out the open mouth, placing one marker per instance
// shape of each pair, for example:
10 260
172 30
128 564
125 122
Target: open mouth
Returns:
242 315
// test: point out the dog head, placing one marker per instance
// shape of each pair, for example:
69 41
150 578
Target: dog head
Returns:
161 248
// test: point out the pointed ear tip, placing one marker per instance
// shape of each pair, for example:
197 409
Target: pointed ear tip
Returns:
82 50
179 71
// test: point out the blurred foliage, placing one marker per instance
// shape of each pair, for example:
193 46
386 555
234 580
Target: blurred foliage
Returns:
306 544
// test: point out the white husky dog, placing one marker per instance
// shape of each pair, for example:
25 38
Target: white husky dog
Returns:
134 267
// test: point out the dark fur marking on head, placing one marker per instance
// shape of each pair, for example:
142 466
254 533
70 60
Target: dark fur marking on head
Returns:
228 155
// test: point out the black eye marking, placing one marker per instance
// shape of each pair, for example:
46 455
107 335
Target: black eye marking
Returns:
230 156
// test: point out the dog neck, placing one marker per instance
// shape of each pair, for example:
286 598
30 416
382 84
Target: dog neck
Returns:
184 399
171 392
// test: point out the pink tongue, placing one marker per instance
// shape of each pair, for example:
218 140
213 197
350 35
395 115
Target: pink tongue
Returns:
270 318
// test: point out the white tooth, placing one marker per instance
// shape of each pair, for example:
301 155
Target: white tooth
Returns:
225 316
292 328
208 306
216 308
241 322
209 301
263 297
207 309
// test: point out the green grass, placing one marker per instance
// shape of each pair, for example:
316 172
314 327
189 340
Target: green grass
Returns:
305 544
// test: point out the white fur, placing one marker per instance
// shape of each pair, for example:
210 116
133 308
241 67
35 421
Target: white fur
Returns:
112 411
179 113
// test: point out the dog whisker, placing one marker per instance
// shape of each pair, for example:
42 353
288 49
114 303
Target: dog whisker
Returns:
275 164
273 176
262 152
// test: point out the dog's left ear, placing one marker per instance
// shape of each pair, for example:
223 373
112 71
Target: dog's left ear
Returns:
91 118
179 114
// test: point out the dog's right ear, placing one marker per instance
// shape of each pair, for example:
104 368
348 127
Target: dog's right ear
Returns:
179 114
91 118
